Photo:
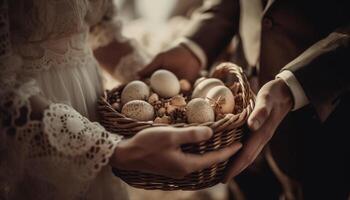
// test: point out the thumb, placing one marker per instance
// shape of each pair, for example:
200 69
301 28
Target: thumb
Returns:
260 113
150 68
193 134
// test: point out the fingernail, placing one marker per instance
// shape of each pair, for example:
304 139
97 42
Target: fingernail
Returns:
237 145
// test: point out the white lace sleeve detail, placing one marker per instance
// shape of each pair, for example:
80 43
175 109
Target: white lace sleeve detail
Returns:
54 158
74 135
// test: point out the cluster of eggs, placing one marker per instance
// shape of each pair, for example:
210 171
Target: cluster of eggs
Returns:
161 101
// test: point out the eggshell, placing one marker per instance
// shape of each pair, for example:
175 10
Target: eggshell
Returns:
204 86
135 90
223 98
165 83
199 110
139 110
199 80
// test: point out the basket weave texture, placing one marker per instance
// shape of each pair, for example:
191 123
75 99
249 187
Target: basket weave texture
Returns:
226 131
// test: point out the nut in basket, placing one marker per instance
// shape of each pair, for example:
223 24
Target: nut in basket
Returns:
222 102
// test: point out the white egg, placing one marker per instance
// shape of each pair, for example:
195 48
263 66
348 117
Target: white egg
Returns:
139 110
199 110
165 83
199 80
222 99
135 90
203 87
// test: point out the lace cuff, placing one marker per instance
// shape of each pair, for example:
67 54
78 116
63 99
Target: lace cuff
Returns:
75 136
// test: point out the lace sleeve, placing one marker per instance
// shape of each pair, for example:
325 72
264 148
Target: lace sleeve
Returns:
64 151
109 30
61 149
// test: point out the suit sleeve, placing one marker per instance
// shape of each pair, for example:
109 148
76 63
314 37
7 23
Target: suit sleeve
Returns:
214 26
323 69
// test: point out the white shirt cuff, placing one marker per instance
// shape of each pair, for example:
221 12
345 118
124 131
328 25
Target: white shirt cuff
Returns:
300 99
195 49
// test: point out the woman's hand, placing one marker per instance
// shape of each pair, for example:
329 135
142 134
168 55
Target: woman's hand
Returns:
178 60
158 151
273 102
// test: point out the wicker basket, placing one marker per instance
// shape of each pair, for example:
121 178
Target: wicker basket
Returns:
226 131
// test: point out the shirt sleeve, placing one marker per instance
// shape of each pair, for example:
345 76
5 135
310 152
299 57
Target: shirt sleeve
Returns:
299 97
195 49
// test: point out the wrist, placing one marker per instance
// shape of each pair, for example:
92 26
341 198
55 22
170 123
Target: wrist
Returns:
182 62
192 59
120 154
195 50
285 94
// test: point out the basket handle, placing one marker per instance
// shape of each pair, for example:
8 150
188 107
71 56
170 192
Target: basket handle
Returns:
230 69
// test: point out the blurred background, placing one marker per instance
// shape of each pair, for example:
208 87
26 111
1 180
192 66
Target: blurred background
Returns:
155 24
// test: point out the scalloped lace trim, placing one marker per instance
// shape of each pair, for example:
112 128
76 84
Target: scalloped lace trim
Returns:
74 135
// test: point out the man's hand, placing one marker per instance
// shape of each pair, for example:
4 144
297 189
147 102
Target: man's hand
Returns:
273 102
158 151
179 60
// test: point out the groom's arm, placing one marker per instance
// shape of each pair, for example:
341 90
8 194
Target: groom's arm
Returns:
212 28
322 71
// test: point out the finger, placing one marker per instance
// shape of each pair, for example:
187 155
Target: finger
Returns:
254 146
198 162
245 158
192 134
260 113
150 68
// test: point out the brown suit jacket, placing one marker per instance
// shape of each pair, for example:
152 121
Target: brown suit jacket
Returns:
288 28
311 39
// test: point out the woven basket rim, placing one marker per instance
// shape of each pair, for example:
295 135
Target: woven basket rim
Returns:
222 68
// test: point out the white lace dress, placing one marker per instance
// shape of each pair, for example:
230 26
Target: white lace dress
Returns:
44 52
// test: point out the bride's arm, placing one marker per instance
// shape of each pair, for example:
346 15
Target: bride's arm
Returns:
120 56
53 143
41 139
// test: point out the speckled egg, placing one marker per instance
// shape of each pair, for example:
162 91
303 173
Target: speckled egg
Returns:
199 110
165 83
139 110
135 90
203 87
222 99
